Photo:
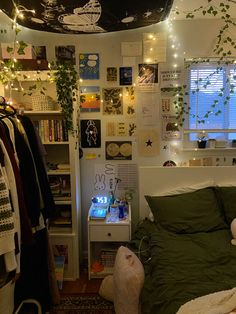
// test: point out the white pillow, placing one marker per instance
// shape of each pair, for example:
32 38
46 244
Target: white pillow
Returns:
182 190
233 231
106 288
226 184
128 281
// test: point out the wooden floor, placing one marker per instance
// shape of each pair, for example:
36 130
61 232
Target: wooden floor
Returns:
81 285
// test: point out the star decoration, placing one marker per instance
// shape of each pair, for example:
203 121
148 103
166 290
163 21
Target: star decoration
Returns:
149 143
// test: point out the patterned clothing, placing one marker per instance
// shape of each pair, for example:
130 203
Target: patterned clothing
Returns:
7 229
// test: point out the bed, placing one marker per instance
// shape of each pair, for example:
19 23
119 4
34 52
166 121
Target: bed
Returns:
185 245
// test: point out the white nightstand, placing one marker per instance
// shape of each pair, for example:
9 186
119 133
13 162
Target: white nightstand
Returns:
104 238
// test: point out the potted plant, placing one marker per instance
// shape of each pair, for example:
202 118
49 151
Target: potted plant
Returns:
202 139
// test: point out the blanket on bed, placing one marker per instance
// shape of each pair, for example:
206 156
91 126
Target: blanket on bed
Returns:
183 267
222 302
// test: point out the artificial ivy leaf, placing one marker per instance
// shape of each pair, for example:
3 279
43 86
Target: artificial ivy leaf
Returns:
21 49
9 49
17 30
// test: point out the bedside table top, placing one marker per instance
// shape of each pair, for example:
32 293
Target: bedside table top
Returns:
112 217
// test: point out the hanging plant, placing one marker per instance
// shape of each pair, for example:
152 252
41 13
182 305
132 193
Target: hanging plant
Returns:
66 79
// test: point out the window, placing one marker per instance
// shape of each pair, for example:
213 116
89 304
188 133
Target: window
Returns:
212 100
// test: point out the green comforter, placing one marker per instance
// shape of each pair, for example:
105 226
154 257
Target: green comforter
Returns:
183 266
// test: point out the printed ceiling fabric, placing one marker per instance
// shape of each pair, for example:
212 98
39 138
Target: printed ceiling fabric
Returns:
89 16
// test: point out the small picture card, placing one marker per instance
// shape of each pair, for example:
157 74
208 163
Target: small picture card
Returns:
148 143
170 128
89 66
65 53
147 74
170 78
125 75
90 98
39 52
112 101
118 150
90 133
111 74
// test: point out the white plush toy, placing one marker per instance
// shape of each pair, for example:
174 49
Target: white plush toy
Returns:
233 231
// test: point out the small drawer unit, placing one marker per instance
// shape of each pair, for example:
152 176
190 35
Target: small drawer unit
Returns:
109 233
104 238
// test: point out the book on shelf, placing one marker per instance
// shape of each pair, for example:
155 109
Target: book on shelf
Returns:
62 222
59 270
62 197
52 130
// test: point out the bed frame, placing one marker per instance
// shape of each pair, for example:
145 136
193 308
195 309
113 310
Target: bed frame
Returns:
155 180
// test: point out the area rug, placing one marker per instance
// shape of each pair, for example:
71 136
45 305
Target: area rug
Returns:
83 304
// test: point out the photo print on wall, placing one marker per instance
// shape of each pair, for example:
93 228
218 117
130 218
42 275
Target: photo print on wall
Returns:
126 76
129 101
65 53
112 101
90 98
39 52
170 78
118 150
170 128
90 133
111 74
89 66
148 142
147 74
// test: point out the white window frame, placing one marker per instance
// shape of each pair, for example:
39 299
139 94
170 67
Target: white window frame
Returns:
186 130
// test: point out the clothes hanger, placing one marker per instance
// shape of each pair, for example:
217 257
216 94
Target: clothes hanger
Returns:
4 106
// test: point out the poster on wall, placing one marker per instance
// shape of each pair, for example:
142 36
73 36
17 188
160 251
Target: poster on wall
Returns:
120 128
154 47
118 150
125 75
170 128
111 74
147 75
131 48
89 66
90 98
129 101
90 133
104 177
132 127
148 143
170 78
112 101
148 105
167 105
65 54
39 52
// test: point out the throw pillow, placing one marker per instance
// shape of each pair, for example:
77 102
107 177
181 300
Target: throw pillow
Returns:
128 281
197 211
106 288
227 198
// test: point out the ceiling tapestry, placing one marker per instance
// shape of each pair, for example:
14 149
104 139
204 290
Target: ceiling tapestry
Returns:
89 16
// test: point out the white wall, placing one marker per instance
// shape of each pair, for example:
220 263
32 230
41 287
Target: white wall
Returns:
196 38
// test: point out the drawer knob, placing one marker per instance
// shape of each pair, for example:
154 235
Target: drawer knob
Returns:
109 234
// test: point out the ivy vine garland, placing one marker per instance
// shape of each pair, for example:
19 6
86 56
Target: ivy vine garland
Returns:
66 86
222 49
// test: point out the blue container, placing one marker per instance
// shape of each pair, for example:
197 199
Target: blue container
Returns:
121 211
